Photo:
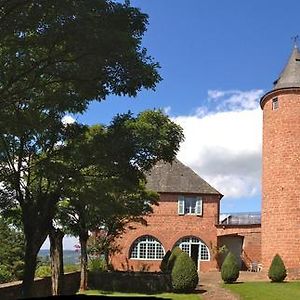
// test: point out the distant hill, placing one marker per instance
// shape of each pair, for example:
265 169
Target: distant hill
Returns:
70 256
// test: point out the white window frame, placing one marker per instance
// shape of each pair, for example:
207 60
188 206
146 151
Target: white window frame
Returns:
275 103
182 205
185 244
147 241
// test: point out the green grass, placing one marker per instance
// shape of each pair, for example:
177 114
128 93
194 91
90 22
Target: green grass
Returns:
265 290
162 295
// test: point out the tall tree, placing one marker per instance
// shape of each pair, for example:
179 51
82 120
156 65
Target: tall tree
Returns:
56 57
108 177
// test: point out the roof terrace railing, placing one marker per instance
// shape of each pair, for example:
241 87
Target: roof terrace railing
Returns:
240 219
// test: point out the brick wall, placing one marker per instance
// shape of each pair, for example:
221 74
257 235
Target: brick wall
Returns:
281 178
168 227
251 244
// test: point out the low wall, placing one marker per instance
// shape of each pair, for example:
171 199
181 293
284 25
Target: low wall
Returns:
41 288
146 282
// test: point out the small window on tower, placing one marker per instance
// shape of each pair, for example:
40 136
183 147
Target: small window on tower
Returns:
275 103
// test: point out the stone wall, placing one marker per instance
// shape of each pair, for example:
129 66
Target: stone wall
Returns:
42 287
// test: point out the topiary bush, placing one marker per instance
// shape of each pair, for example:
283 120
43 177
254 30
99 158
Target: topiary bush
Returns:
164 263
277 270
230 270
184 274
174 254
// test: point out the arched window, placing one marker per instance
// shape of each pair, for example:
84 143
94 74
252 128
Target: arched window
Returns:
147 247
194 247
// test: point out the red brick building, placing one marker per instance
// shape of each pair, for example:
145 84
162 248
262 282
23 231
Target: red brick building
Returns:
281 168
187 216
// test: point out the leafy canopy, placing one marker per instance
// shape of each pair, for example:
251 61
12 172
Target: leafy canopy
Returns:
61 54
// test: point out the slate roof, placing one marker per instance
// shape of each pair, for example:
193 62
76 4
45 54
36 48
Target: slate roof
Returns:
177 178
290 76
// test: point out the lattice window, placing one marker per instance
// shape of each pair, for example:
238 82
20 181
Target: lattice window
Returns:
186 243
204 254
148 248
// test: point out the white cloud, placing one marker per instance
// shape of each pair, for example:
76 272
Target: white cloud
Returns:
224 146
235 99
167 110
68 120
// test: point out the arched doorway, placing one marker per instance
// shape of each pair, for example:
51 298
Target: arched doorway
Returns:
234 244
195 248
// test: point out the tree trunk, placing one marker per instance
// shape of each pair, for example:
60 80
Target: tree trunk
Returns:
57 265
32 248
36 222
83 238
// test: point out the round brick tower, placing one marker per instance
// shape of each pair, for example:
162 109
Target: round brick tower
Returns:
281 169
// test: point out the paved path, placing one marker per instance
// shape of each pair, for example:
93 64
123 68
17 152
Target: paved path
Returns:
211 289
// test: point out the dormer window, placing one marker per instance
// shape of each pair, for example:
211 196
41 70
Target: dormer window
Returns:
275 103
189 205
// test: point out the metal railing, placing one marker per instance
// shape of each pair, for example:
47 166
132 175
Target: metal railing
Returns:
247 218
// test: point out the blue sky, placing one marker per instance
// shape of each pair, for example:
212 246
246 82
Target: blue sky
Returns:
217 59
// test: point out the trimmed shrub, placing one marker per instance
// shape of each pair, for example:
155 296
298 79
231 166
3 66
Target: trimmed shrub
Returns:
230 269
174 254
184 274
277 270
164 263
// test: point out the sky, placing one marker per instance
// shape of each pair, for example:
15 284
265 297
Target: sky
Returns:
217 59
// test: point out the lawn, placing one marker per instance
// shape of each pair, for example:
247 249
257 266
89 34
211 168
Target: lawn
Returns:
266 290
162 295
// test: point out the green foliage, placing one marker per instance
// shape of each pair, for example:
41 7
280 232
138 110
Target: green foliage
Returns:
5 274
184 274
277 270
43 271
11 251
71 52
230 269
164 263
71 268
55 58
174 254
97 265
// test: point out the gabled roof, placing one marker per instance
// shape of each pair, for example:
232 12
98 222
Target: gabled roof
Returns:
177 178
290 76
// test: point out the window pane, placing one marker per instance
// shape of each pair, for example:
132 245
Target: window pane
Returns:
159 251
147 247
151 251
190 205
204 253
185 248
143 251
134 251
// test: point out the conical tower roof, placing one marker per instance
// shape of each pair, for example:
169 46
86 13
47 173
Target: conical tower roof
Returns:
177 178
290 76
